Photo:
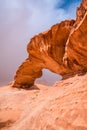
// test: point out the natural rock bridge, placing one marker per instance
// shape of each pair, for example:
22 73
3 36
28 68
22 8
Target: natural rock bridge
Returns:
61 49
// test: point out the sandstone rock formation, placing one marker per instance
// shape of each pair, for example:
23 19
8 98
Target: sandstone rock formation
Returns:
76 43
62 49
62 107
45 50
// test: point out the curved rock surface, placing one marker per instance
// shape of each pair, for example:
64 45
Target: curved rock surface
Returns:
62 107
76 48
62 49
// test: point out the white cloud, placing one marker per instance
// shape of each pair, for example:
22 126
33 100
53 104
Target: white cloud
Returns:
19 21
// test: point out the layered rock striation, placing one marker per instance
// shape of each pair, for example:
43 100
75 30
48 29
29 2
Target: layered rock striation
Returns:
62 49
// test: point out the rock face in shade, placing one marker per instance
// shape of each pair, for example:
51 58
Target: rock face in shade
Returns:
61 49
62 107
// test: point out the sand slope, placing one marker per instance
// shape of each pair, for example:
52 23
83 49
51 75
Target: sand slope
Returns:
61 107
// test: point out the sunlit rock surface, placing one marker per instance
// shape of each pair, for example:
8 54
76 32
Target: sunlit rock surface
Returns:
76 48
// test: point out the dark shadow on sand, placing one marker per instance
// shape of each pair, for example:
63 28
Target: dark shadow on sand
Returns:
6 124
34 87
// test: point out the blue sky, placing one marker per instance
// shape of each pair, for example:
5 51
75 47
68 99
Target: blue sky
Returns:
66 3
22 19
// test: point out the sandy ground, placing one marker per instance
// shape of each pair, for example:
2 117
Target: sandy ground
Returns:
62 106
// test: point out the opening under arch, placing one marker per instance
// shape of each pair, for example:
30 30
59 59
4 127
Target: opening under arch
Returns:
48 78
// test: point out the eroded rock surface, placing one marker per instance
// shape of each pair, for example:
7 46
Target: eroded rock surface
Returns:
62 49
76 47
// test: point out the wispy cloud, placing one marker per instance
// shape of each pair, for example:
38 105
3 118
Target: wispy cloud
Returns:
22 19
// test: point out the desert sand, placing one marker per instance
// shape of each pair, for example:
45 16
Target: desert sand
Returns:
62 106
